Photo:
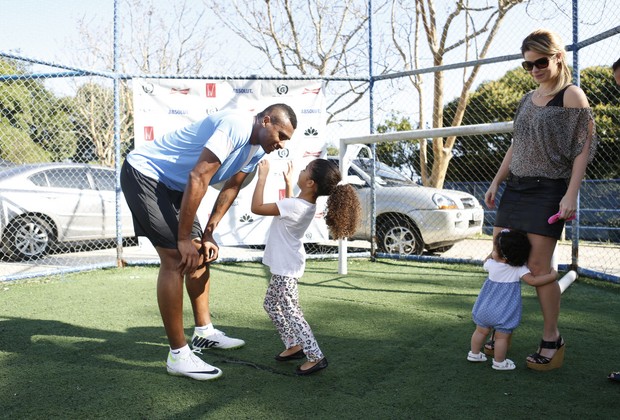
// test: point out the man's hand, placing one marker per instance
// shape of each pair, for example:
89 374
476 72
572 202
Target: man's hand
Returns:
191 258
210 248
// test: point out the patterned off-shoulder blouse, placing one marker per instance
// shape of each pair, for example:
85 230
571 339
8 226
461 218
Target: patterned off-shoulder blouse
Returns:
546 139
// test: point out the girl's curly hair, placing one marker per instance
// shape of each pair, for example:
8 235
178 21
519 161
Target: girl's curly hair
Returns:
343 205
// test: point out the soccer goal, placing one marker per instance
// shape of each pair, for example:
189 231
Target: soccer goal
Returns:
349 149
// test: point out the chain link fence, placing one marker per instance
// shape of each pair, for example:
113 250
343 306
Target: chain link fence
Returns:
58 151
469 163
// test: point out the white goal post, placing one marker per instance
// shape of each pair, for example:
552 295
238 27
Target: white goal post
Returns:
465 130
345 159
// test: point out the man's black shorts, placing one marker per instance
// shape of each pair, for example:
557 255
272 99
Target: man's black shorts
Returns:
154 208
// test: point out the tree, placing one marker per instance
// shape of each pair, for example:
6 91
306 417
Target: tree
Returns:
94 123
604 97
402 154
476 158
481 25
33 122
311 38
175 41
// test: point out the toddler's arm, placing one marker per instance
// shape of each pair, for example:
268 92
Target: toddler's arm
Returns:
540 280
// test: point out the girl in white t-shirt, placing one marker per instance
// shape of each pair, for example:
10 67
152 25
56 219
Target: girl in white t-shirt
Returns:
285 254
498 305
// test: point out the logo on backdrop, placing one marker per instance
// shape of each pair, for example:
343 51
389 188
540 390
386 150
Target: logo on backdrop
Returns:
149 133
148 88
282 90
311 131
182 91
241 91
210 90
210 111
314 91
283 153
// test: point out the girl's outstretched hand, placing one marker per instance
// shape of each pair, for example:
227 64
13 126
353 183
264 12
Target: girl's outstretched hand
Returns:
263 169
288 173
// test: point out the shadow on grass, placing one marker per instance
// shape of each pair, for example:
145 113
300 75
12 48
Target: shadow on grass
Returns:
396 336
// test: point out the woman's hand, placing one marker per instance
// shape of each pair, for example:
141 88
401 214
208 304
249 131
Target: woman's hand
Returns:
568 206
489 196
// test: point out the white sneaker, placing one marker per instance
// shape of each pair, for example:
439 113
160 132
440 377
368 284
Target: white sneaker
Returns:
476 357
507 364
215 339
192 366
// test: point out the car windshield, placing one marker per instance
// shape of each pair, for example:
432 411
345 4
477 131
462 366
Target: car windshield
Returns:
384 175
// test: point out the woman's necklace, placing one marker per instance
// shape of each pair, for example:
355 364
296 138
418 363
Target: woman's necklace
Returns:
540 94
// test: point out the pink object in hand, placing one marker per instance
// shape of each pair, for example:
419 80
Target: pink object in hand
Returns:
556 217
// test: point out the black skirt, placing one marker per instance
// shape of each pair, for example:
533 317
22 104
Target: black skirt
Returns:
528 202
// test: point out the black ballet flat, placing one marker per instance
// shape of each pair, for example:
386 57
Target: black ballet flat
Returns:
295 356
319 366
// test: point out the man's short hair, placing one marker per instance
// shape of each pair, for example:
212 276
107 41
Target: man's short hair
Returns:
287 110
615 65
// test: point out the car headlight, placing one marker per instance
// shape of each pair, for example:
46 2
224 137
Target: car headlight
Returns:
444 202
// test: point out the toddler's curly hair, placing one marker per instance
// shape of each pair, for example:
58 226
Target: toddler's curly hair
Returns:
343 205
514 246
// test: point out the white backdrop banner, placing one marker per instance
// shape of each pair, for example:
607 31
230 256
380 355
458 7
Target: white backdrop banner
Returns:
164 105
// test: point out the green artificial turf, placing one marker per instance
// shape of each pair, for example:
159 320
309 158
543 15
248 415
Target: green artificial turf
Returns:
396 334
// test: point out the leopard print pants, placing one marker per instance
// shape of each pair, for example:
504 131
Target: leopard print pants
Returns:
282 305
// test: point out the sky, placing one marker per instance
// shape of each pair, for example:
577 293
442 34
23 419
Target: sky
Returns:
47 29
43 28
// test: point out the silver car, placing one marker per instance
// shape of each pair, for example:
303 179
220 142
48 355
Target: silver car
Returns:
46 205
412 218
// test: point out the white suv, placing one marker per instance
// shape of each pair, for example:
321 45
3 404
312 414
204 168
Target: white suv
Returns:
412 218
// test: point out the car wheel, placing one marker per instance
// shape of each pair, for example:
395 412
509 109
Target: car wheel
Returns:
399 236
28 238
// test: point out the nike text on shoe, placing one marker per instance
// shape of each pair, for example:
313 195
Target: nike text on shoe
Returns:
193 367
215 339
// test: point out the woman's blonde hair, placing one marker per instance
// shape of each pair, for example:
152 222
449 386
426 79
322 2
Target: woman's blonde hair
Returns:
549 43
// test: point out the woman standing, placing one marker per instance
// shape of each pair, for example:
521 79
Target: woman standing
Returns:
553 141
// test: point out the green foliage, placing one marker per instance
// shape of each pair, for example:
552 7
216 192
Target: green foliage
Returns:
402 154
332 151
17 147
35 126
476 158
93 113
604 96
